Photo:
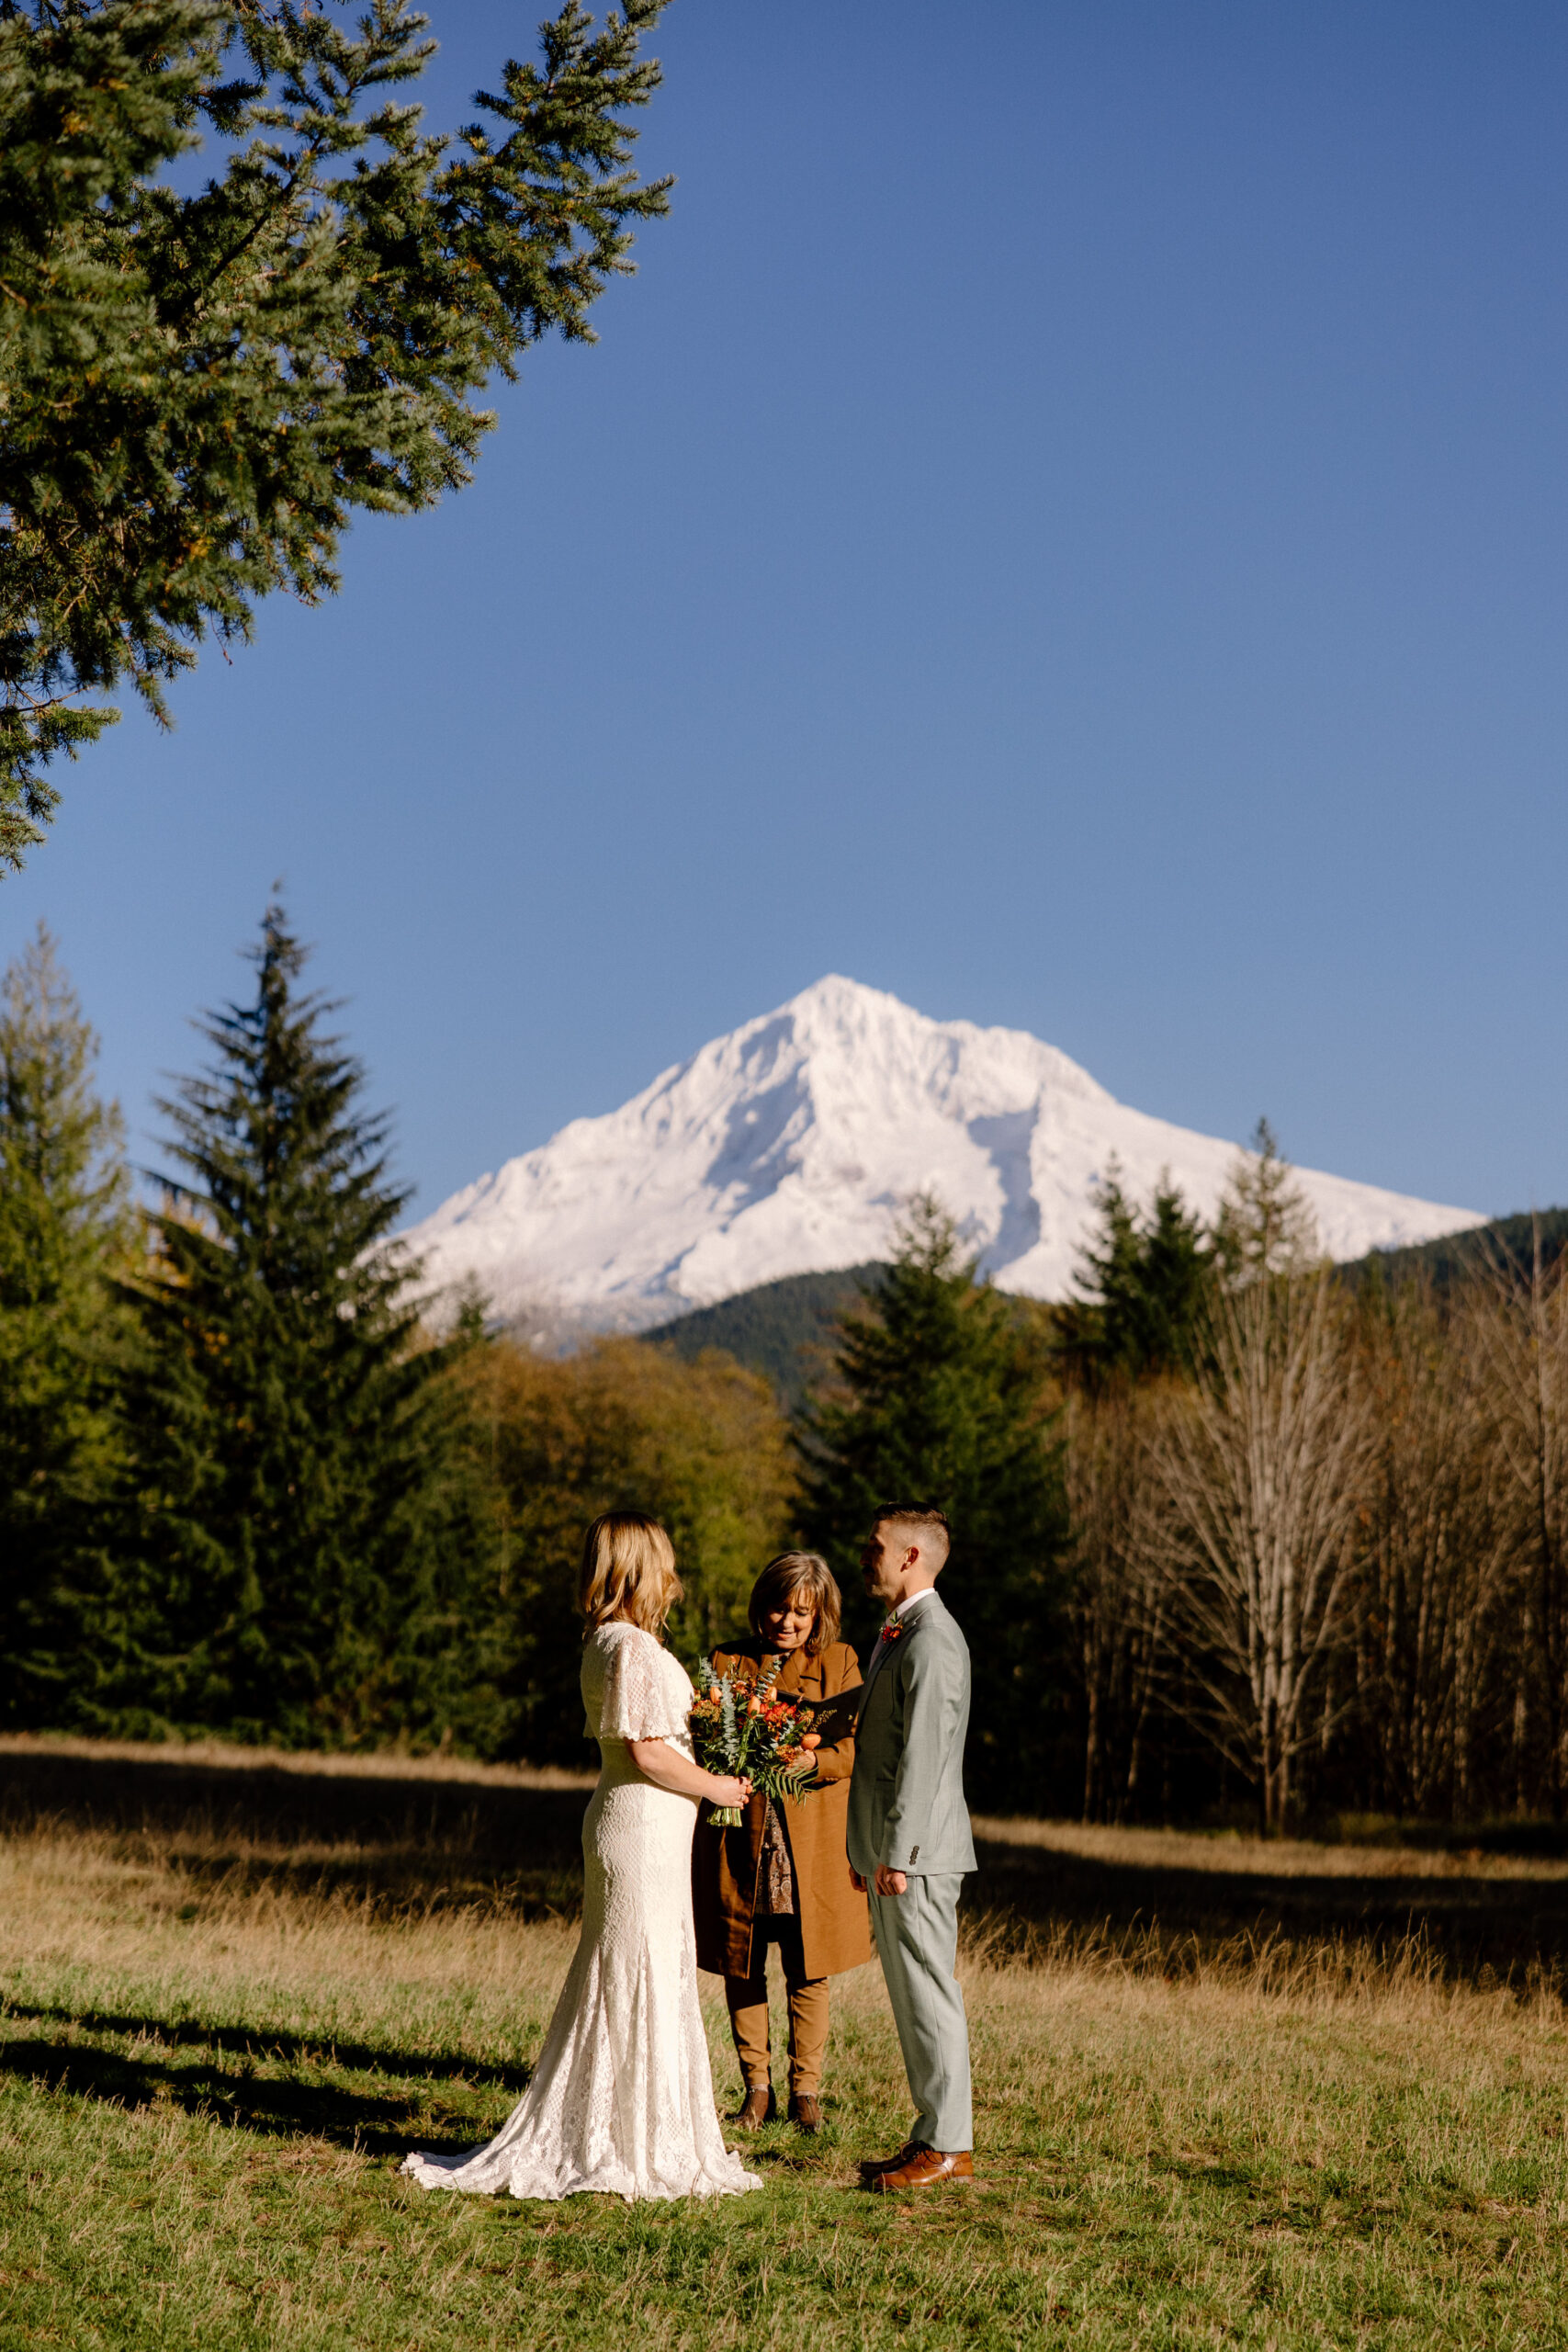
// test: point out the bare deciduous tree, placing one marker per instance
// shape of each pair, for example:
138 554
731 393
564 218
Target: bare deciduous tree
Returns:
1433 1555
1122 1593
1337 1523
1519 1331
1263 1474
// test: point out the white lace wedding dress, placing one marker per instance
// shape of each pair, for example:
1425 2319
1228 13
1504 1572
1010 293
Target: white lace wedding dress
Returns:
622 2097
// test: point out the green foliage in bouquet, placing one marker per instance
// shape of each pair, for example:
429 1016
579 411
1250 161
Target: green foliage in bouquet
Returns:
740 1726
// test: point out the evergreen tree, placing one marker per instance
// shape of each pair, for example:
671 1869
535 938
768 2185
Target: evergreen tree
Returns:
288 1467
63 1223
1176 1262
448 1652
1145 1275
202 384
1265 1225
1096 1336
938 1399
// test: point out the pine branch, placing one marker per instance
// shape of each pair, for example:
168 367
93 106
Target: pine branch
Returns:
196 393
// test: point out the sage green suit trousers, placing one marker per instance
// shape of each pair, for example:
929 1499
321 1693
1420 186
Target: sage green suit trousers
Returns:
917 1942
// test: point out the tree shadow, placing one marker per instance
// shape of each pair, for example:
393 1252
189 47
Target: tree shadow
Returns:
249 2041
389 1882
373 2124
395 1843
1460 1926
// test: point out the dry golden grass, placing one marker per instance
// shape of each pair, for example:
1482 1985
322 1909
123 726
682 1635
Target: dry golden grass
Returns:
215 2049
385 1764
1227 1853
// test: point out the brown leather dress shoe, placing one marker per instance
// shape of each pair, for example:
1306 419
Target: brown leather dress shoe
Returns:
758 2106
804 2111
923 2170
870 2165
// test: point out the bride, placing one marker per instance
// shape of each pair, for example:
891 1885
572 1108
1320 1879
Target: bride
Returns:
622 2097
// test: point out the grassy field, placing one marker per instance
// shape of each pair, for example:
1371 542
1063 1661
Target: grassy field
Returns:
1225 2095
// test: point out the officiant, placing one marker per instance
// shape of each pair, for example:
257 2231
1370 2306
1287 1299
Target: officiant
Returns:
780 1878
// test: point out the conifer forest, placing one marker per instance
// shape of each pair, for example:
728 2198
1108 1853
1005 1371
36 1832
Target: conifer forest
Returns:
1240 1536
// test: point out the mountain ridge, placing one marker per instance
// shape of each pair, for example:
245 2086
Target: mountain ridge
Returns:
783 1329
793 1144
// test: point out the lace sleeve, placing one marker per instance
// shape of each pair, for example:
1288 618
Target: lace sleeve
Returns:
640 1699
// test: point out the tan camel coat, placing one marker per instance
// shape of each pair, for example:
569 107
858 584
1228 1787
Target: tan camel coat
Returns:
835 1924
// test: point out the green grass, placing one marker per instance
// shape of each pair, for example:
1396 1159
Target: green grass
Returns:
213 2054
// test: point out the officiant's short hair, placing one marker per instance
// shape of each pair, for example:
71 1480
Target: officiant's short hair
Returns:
806 1572
628 1572
929 1524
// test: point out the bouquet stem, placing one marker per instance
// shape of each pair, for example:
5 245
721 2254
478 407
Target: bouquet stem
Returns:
724 1817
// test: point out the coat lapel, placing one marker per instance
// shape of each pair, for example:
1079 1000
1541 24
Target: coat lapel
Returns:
877 1665
874 1667
796 1672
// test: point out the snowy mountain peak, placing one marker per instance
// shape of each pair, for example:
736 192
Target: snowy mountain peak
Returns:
866 1027
793 1145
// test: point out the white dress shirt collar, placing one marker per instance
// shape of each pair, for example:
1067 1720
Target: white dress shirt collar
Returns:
914 1600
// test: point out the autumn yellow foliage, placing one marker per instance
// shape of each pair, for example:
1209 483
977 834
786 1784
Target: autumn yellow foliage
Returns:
623 1424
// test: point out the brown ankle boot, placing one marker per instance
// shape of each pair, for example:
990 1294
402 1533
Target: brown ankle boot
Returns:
758 2106
804 2111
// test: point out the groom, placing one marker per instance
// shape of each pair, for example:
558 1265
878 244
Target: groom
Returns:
908 1835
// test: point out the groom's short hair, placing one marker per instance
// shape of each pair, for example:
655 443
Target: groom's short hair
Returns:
926 1524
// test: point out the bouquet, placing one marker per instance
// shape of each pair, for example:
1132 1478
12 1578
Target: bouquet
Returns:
740 1726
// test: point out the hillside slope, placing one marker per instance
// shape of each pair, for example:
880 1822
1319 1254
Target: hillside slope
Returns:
1454 1254
781 1330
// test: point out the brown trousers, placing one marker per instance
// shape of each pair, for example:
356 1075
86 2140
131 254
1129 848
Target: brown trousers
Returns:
807 1995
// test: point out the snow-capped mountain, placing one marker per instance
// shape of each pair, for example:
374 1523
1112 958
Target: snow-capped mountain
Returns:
790 1147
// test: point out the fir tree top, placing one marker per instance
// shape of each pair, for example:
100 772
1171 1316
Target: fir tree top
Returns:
1265 1223
1144 1276
281 1167
62 1183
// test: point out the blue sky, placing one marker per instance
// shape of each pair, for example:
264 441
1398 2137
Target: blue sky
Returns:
1067 525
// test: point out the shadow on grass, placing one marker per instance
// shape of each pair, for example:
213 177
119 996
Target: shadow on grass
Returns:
376 2123
1472 1929
290 2049
416 1845
400 1843
393 1881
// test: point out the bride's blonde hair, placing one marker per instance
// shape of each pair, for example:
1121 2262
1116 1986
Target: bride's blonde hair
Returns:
627 1573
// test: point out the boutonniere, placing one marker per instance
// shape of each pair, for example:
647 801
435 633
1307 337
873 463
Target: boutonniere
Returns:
894 1630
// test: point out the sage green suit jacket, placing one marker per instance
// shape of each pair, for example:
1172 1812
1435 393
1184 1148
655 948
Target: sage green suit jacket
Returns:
907 1806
